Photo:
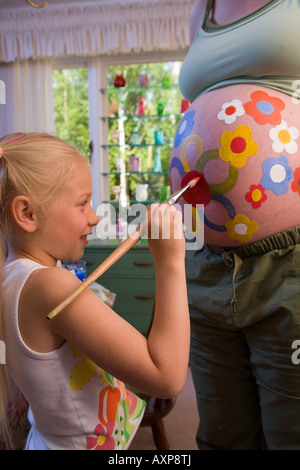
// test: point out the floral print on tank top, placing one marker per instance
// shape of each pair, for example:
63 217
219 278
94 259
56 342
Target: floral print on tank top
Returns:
119 410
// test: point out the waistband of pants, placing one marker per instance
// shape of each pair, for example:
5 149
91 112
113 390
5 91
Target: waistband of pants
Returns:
278 241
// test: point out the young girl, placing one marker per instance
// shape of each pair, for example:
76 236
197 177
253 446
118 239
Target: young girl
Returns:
71 369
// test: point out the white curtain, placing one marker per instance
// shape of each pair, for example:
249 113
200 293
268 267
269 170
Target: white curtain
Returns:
28 97
94 27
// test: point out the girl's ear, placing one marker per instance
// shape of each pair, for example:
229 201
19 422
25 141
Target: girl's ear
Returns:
23 213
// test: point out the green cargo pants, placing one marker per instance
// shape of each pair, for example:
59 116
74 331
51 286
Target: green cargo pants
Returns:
245 322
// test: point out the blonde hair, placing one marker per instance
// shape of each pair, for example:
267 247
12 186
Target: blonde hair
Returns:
39 166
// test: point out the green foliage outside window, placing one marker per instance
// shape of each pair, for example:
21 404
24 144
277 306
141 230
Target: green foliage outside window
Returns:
71 107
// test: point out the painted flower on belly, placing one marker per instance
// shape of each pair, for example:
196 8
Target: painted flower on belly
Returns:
264 109
277 174
185 127
284 138
241 228
256 195
237 146
230 111
296 182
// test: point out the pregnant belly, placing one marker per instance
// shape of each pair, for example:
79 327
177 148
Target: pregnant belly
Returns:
244 139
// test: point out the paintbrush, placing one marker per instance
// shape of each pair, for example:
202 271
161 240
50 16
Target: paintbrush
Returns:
117 254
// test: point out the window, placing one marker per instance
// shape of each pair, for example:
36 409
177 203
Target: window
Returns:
71 107
142 118
79 106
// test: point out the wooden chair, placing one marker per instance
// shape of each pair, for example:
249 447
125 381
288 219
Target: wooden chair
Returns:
156 410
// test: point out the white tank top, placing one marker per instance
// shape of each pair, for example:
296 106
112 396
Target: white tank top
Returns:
73 404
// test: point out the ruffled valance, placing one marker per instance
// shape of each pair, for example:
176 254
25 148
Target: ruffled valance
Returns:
94 28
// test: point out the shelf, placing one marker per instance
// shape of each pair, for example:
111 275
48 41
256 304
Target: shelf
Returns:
133 201
143 116
138 87
104 146
129 173
124 126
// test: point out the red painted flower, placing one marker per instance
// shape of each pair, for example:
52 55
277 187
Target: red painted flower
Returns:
256 196
296 181
264 108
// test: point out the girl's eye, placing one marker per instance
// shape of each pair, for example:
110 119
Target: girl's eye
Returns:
84 203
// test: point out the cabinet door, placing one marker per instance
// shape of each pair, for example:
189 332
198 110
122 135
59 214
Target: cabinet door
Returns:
135 300
132 279
134 264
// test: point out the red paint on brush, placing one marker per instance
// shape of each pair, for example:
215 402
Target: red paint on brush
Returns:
194 181
199 192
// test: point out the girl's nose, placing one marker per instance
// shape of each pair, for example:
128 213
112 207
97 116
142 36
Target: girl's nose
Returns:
93 218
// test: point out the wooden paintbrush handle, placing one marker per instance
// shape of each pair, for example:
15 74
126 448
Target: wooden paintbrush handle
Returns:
107 263
115 255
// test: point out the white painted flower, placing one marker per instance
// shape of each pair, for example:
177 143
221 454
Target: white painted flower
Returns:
230 111
284 138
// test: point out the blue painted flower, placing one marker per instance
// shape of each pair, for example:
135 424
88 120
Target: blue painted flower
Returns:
185 127
277 174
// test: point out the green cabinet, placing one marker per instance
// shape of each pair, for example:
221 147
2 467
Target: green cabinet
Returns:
131 278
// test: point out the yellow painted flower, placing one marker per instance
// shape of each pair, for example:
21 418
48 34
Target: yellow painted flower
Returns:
237 146
241 228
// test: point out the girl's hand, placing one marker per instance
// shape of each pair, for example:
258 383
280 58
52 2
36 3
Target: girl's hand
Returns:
164 230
